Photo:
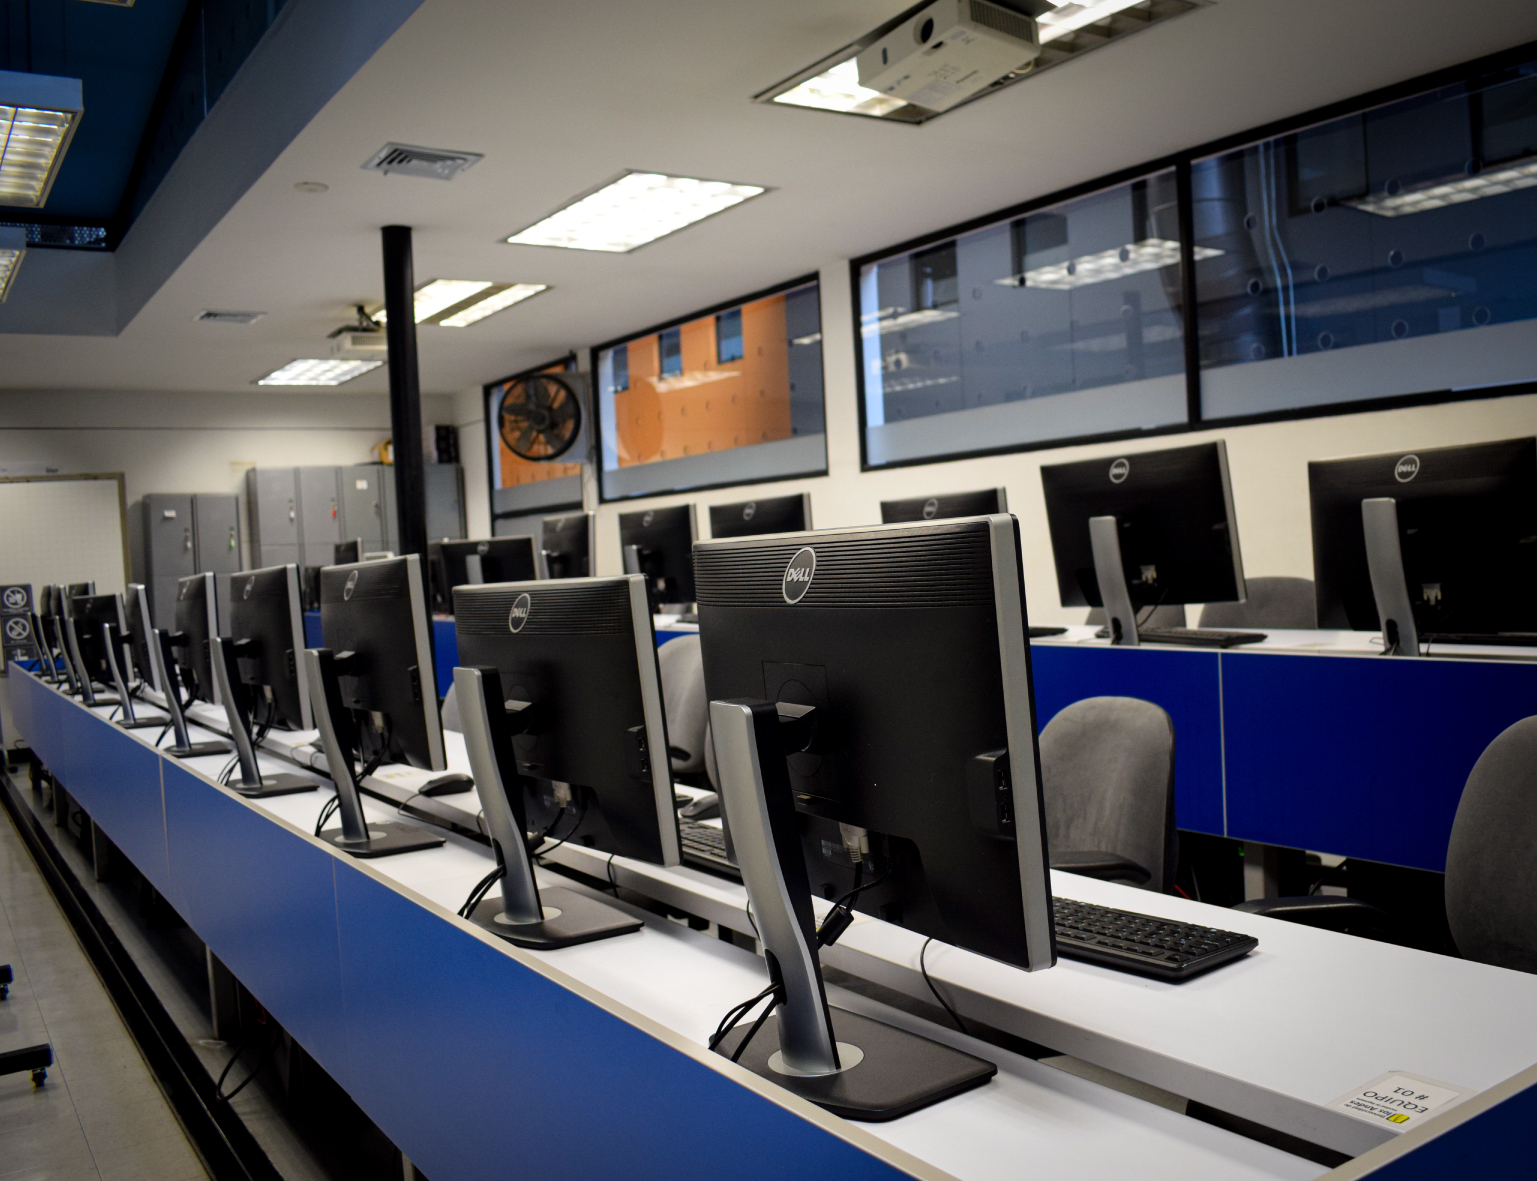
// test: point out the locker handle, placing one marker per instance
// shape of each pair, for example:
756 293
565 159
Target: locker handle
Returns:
232 539
187 539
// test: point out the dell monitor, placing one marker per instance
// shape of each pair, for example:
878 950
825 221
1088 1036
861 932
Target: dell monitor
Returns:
872 713
196 624
658 543
77 590
140 635
372 692
1438 544
267 627
492 559
567 674
566 541
751 518
345 552
950 504
89 645
1147 530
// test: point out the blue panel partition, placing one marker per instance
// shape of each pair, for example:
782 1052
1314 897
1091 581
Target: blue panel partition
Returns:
116 779
262 898
539 1081
445 653
312 636
1494 1143
1186 684
1363 756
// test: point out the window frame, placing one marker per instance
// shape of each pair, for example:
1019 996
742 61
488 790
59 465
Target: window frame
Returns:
677 321
1181 163
493 435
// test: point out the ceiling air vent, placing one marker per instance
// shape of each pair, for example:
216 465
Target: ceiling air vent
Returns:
229 317
433 163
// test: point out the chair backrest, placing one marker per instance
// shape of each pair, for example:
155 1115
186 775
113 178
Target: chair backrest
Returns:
1172 616
1107 768
1272 602
450 709
681 664
1491 867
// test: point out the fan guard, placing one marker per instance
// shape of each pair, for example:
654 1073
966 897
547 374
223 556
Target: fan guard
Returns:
540 417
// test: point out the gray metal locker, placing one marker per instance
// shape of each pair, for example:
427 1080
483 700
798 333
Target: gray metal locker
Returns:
169 551
216 532
445 501
273 496
391 518
363 504
320 521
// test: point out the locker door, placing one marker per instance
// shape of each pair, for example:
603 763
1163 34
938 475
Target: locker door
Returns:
168 536
274 506
363 504
319 514
216 532
391 517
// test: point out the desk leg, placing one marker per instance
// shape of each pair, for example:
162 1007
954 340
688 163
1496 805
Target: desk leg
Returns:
1261 871
223 999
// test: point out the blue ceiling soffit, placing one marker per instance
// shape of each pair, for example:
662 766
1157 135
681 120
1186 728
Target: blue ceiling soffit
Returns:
120 55
218 124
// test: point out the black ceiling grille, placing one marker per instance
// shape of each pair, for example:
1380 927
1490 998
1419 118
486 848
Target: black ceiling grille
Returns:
70 237
432 163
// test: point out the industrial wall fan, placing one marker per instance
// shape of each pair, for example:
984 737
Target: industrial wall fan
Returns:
540 416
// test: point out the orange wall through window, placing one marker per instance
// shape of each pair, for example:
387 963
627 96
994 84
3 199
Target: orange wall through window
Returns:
710 406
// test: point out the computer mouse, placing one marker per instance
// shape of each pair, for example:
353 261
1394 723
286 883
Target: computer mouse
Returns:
447 785
706 807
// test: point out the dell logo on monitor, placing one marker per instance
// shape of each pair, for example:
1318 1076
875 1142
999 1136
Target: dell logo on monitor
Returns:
645 522
518 616
1406 468
797 579
483 548
352 585
250 583
749 510
930 508
1119 470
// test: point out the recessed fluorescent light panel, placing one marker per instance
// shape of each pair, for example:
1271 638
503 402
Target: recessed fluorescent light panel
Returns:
458 303
317 371
637 208
1064 29
1449 192
13 247
1132 259
38 115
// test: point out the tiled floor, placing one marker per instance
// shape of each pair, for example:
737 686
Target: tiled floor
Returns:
100 1116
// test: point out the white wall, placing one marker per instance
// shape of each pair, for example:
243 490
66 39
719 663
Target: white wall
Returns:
1268 463
196 442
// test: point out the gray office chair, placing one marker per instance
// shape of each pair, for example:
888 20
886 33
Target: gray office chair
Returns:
1107 768
450 711
1161 617
1491 873
1272 602
681 665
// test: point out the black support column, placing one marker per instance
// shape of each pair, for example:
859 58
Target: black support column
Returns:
405 390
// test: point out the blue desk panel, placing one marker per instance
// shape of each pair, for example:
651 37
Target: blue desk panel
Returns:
116 778
480 1068
263 899
312 637
1494 1143
1186 684
1364 756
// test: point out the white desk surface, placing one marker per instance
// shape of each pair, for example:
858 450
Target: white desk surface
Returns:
1275 1038
684 980
1319 642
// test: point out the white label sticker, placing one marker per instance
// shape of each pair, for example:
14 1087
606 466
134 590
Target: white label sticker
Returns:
361 485
1399 1100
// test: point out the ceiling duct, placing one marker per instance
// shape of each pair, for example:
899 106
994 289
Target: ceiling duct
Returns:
432 163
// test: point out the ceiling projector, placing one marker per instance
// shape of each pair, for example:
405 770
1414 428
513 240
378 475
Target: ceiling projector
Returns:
948 52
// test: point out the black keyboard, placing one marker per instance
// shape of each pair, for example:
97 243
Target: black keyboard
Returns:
1142 944
1198 637
1513 639
704 846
